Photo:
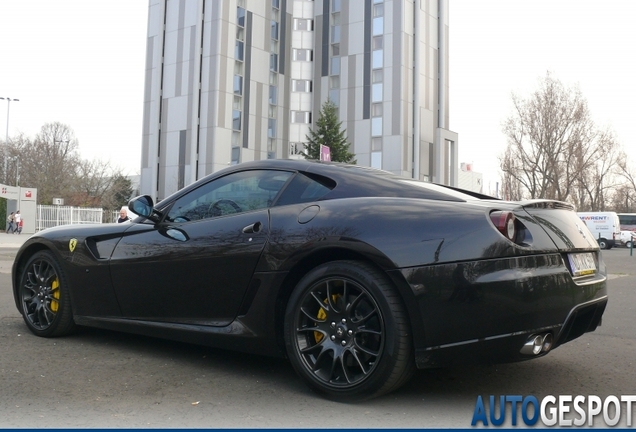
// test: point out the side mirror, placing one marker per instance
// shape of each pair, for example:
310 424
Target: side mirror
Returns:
143 206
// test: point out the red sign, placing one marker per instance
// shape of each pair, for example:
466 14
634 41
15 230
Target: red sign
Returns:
325 153
27 194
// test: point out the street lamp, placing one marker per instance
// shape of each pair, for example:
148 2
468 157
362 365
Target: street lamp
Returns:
6 136
9 100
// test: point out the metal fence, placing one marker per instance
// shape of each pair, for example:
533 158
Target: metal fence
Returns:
51 215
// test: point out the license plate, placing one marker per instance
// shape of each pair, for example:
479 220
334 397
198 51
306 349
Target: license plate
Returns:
582 264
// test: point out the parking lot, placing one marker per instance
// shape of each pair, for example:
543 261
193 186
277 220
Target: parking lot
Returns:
100 378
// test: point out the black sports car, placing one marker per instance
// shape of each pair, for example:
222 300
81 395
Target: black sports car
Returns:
356 275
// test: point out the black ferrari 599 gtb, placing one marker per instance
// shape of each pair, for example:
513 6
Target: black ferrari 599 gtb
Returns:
356 275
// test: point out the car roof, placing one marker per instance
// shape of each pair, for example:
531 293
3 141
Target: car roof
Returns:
359 181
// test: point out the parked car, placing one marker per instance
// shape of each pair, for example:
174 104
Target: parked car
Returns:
605 226
356 275
627 238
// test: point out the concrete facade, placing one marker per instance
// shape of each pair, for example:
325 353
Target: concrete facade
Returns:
240 80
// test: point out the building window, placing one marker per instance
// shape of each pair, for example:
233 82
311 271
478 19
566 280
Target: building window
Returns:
274 30
376 144
377 59
271 128
378 10
335 66
378 26
238 50
376 110
335 34
336 5
300 54
296 149
273 62
376 126
302 86
376 160
378 42
301 117
276 4
273 95
238 85
376 92
236 119
303 24
334 96
240 16
236 154
377 75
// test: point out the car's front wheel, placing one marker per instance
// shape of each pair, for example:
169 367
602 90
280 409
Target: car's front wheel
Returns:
347 332
45 301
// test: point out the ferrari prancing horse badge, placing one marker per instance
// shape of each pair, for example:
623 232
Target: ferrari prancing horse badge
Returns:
71 244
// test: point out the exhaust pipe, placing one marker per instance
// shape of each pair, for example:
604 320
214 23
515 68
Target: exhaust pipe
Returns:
538 344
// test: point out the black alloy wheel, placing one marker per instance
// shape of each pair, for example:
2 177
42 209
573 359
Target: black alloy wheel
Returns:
44 297
347 333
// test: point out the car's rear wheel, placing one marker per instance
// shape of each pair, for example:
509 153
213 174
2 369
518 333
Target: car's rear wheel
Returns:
44 296
347 332
602 243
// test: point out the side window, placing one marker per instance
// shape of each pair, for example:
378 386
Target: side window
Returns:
304 189
234 193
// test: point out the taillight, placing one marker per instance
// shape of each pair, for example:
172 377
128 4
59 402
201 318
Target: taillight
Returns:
504 221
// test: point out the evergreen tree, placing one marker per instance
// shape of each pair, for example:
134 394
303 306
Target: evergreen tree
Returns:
327 132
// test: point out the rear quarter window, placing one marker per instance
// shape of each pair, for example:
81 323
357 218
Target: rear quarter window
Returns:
305 188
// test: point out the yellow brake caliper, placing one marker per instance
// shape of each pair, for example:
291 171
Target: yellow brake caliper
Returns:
55 291
322 314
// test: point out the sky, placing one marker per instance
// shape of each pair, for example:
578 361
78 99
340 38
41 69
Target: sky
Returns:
77 62
81 63
501 47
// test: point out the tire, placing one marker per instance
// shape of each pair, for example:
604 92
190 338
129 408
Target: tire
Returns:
602 243
628 244
45 301
347 333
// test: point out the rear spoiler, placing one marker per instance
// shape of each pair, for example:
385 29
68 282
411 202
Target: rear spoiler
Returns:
468 192
546 204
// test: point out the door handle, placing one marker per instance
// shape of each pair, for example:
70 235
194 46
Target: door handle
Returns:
253 228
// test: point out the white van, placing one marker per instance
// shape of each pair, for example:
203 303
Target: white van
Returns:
605 226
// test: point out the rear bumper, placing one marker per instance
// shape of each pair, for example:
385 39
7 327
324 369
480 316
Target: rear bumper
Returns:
507 348
485 311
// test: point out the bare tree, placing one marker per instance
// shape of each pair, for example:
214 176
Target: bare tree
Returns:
511 187
93 181
626 193
597 177
554 149
50 162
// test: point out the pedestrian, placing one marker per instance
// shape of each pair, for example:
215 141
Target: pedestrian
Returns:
20 226
10 221
123 215
16 222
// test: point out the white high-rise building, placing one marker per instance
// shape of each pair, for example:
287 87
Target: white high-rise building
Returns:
229 81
